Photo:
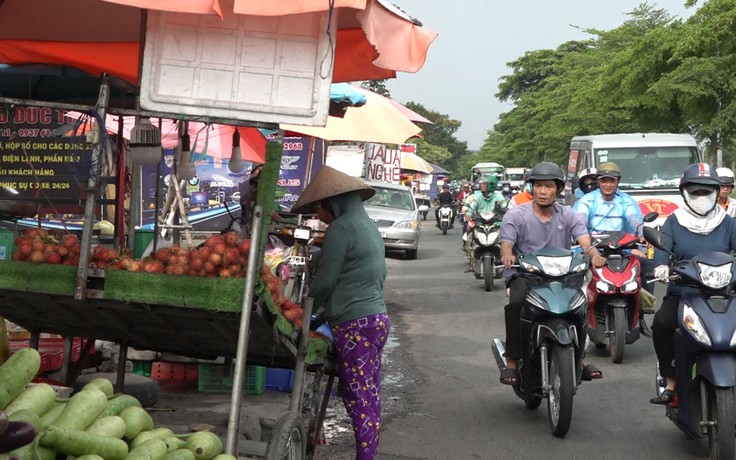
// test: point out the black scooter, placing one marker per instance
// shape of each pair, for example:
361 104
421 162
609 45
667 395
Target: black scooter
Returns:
553 331
705 349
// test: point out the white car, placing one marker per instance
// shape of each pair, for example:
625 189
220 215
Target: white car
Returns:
395 212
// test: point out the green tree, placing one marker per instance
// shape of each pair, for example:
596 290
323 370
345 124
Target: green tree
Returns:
441 135
377 86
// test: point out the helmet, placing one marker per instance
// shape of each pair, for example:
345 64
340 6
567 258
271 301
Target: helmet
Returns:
547 171
725 176
609 169
699 173
527 172
492 183
587 172
694 180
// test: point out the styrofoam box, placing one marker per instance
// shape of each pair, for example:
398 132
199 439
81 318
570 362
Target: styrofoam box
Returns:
246 68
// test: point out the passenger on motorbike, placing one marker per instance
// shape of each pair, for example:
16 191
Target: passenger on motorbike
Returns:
725 177
697 227
445 197
586 183
486 199
541 223
607 209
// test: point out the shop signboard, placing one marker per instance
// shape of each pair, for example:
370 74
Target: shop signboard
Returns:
38 168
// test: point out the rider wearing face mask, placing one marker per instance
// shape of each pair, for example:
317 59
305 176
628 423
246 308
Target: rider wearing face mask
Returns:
698 226
586 183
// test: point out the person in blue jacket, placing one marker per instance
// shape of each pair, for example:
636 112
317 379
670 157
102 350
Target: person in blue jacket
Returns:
586 182
698 226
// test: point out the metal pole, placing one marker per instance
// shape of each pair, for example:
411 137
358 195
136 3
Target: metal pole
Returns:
233 425
92 191
295 404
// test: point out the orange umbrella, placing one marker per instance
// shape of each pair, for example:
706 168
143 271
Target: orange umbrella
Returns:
374 39
379 121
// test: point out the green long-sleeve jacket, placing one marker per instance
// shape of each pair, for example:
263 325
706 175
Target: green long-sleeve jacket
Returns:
351 268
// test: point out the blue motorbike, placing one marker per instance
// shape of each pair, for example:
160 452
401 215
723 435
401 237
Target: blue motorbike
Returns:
705 349
553 332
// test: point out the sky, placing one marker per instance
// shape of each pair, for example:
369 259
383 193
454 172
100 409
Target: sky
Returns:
477 38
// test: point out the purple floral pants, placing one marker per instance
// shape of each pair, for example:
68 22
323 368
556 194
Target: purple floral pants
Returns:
359 344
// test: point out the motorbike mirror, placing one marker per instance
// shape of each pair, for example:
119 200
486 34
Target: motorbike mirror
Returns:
654 237
651 217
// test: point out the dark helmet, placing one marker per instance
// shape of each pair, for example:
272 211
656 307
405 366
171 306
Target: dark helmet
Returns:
699 173
527 172
548 171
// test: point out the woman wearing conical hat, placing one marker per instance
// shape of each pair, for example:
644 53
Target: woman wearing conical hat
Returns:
348 282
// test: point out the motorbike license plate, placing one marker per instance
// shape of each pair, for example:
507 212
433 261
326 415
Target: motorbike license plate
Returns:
383 233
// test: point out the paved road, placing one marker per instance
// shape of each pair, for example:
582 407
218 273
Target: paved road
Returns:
442 391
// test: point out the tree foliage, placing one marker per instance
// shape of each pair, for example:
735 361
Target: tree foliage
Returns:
654 73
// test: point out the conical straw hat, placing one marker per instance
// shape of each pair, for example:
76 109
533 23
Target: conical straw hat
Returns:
327 183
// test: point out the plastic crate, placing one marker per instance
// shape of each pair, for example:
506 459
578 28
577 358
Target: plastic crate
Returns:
279 379
51 350
212 379
174 376
142 368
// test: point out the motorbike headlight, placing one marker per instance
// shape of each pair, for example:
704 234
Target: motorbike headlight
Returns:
529 267
604 286
581 267
407 224
630 286
694 325
555 266
715 277
536 300
482 238
578 301
492 237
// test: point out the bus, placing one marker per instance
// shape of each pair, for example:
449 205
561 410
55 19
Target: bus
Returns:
651 165
485 170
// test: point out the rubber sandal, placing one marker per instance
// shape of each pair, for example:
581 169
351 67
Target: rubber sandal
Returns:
665 398
509 376
589 372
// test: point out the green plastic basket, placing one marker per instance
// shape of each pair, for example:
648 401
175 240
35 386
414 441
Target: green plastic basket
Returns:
211 379
142 368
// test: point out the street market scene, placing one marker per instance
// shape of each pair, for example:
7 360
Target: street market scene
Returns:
235 230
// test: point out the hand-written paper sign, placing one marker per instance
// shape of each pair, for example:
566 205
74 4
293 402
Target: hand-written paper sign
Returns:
383 164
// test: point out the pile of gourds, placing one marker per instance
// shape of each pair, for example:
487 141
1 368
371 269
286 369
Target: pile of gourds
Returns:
93 424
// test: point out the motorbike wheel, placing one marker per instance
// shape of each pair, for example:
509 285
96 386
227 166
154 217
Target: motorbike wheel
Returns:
488 272
562 383
721 409
443 226
617 340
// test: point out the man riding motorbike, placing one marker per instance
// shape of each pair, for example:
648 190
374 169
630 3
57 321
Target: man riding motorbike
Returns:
697 227
486 199
608 209
541 223
445 198
525 195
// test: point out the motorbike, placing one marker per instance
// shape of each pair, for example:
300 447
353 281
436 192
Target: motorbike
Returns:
484 230
553 325
445 214
705 349
614 294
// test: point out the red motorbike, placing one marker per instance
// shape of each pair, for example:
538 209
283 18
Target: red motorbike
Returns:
614 301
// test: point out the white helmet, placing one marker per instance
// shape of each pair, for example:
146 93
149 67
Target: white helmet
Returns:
725 176
587 172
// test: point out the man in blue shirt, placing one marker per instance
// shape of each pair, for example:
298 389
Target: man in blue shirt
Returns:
608 209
